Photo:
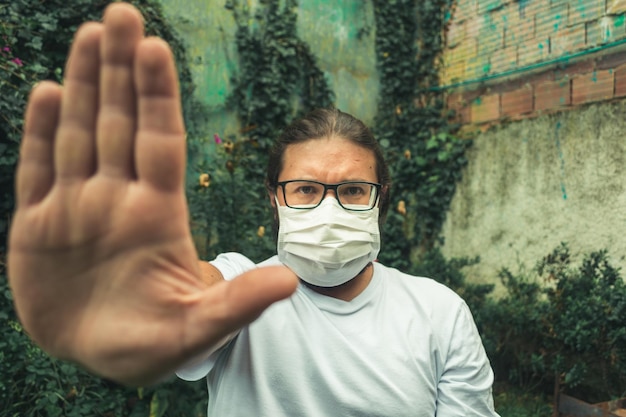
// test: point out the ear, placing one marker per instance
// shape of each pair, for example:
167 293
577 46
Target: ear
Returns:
383 194
272 197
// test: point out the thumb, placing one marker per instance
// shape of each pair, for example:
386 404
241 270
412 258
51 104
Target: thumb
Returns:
229 305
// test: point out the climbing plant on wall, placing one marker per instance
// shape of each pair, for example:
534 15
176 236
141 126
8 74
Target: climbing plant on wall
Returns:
277 79
413 124
34 41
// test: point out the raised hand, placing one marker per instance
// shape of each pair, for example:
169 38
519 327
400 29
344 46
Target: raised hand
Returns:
101 261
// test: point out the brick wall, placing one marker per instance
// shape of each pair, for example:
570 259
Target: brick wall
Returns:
511 59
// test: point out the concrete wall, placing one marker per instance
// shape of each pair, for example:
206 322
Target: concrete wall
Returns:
541 83
535 183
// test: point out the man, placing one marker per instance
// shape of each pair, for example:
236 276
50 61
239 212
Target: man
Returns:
104 271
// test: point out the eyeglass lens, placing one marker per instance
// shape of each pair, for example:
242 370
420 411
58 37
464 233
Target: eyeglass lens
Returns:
353 195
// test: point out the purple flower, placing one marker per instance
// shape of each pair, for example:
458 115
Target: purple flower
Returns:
217 138
6 49
17 62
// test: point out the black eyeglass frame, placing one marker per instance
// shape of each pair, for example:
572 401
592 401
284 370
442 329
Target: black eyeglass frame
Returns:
333 187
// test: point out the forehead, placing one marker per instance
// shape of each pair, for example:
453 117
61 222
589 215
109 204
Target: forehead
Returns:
328 159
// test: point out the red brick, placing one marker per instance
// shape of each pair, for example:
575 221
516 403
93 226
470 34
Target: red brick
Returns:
485 108
470 96
504 59
611 61
594 86
455 34
456 102
463 115
518 27
568 40
453 98
477 67
490 41
620 81
486 6
581 67
552 95
517 102
488 30
510 84
529 8
606 29
550 20
533 51
485 23
462 52
541 77
453 72
465 10
584 11
615 7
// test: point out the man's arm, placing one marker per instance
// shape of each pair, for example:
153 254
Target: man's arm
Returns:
101 261
209 274
465 388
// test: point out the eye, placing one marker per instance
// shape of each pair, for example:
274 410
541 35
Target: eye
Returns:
306 189
303 193
354 190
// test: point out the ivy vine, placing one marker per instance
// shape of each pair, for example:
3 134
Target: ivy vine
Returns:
277 79
34 41
413 125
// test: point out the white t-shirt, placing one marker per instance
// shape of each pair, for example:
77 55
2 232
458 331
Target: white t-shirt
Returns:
405 346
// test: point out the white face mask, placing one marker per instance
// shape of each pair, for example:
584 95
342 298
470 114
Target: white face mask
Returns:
328 245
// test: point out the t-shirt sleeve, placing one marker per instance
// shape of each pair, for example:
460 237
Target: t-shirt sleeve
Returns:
465 387
231 265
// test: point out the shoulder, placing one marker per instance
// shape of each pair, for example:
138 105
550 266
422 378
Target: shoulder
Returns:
232 264
424 288
433 303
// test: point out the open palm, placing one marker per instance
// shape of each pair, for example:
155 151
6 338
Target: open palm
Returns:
101 261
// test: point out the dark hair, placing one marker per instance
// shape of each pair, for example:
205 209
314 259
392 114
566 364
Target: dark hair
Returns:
327 123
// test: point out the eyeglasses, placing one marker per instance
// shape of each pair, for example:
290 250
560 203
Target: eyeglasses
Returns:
351 195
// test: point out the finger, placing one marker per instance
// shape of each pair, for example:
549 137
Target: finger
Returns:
160 151
230 305
75 147
35 172
123 29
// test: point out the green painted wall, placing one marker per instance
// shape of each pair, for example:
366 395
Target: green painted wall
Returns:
340 34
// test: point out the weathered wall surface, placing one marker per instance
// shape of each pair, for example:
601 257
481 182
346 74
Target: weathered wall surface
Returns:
544 81
337 32
207 29
532 184
552 176
489 37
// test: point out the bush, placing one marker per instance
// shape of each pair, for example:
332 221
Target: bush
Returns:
559 326
563 330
